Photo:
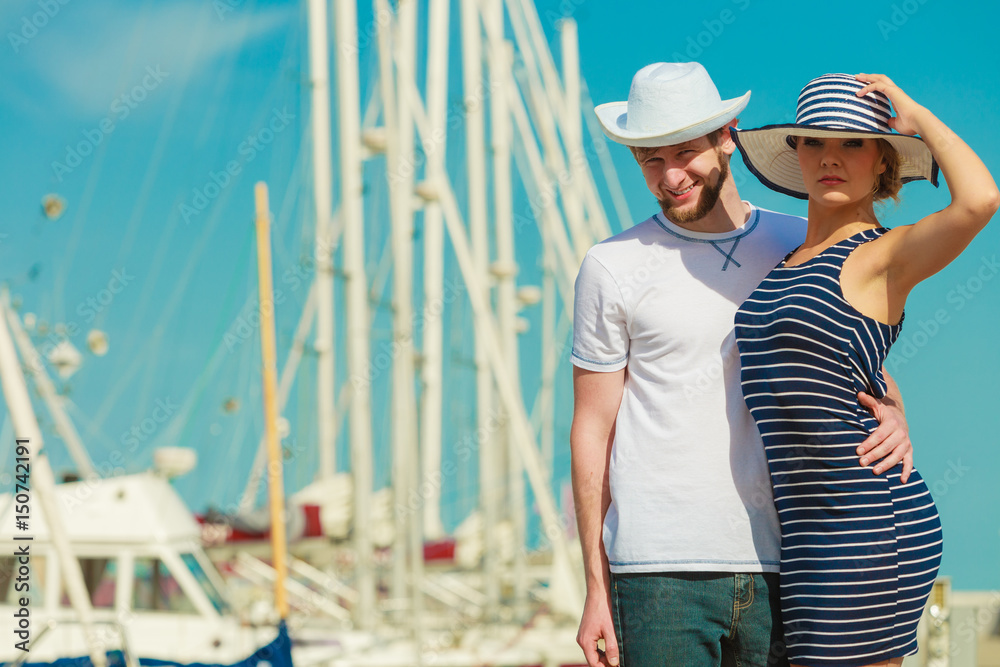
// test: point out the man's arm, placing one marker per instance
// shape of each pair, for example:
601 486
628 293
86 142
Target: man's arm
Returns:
890 442
596 398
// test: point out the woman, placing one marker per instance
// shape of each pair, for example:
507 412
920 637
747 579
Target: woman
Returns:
859 552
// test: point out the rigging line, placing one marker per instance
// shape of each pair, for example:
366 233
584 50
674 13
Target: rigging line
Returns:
80 416
136 220
145 299
222 83
562 333
79 219
607 166
150 284
178 425
152 171
181 283
223 323
284 254
239 431
77 233
140 359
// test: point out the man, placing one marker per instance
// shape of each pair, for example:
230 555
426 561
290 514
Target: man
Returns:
673 498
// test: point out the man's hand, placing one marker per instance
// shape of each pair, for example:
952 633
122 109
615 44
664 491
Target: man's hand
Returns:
890 442
596 624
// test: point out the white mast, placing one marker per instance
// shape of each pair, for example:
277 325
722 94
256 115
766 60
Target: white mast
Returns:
356 298
15 391
405 428
474 96
322 163
397 102
565 589
431 370
501 63
65 428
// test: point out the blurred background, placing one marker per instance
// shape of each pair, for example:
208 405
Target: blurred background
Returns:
133 134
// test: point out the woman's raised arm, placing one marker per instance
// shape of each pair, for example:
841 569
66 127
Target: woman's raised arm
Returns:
918 251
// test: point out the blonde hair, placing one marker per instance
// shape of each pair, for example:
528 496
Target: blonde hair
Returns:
889 181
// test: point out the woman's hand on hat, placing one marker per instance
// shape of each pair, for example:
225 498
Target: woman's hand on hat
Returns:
908 112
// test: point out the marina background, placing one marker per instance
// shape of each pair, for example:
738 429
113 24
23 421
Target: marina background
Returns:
185 104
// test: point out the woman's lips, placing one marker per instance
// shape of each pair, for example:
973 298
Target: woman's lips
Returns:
831 180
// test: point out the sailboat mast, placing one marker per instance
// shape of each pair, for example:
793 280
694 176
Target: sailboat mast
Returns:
269 366
475 142
15 392
65 428
431 369
397 46
322 165
356 301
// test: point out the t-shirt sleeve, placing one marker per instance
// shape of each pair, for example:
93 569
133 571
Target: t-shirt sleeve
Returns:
600 330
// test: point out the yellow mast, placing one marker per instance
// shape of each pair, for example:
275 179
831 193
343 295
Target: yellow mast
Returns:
275 486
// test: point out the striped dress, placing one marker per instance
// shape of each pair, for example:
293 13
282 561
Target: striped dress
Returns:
859 552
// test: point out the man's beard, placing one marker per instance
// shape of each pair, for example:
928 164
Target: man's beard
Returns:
706 201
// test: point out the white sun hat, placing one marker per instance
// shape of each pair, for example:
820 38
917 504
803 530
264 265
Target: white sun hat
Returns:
828 107
669 103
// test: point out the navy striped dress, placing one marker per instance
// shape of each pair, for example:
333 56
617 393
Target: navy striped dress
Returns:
859 552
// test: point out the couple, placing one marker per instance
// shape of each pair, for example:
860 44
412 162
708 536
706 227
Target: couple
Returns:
730 406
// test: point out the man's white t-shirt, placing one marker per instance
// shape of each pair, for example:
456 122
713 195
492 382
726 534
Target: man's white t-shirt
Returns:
690 489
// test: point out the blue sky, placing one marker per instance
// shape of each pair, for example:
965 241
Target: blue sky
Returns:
184 104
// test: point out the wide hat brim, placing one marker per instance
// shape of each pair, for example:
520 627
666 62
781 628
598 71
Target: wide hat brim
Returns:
613 117
770 158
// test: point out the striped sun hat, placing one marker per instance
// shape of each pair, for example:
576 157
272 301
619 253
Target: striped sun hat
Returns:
829 107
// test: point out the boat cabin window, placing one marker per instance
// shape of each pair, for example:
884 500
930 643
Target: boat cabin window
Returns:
156 589
206 584
15 585
100 576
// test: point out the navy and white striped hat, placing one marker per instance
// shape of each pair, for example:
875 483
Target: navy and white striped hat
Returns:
828 106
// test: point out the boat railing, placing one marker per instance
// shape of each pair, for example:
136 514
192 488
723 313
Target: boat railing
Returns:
301 596
127 654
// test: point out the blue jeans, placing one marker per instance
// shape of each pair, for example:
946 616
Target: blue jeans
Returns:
698 619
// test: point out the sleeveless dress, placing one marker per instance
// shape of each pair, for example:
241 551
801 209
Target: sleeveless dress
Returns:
859 551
